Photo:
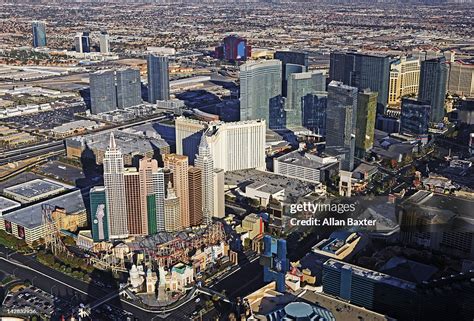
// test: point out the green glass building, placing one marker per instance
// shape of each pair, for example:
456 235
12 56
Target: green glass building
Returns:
98 212
299 86
366 113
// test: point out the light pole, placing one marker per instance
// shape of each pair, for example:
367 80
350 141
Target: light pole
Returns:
52 289
32 280
14 271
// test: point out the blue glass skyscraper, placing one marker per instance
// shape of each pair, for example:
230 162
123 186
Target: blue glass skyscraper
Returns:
363 71
274 261
341 121
102 91
292 61
86 42
39 34
260 91
82 42
300 85
158 78
128 87
313 107
432 87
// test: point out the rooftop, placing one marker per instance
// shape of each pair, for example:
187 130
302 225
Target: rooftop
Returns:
83 123
7 204
32 217
408 270
341 245
36 188
131 142
265 188
457 205
306 160
294 188
370 274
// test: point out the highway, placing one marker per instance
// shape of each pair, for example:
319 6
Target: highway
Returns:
55 146
31 151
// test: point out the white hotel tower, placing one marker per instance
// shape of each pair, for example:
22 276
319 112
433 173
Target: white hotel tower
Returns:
114 182
234 145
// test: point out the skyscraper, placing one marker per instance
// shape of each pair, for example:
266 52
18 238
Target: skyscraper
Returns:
461 77
104 42
152 193
114 182
433 77
363 71
293 57
205 163
195 196
133 202
179 166
238 145
83 42
102 91
158 78
313 107
188 136
415 117
404 79
39 34
300 85
98 212
172 207
168 177
233 145
219 197
292 61
78 42
341 121
128 87
366 111
260 90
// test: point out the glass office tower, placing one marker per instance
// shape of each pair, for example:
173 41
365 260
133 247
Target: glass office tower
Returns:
363 71
260 91
39 34
158 78
433 77
341 121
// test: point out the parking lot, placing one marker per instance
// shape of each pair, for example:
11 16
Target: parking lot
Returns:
45 120
33 299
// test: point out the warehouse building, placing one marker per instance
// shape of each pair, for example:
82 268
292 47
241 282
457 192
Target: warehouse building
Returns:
27 222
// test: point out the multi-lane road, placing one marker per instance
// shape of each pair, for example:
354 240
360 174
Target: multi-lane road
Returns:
30 151
58 145
62 285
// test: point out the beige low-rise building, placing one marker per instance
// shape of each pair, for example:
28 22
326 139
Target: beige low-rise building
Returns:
16 139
